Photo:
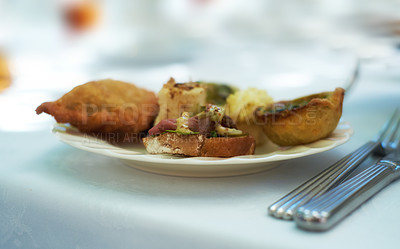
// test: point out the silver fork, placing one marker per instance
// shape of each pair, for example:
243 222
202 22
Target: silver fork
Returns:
323 212
285 207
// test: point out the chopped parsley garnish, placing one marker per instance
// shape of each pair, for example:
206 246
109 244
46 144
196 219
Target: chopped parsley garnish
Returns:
213 134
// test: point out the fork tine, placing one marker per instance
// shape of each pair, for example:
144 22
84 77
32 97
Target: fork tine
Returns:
285 207
326 210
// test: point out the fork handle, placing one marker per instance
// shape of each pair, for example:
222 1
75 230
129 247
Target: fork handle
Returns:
322 212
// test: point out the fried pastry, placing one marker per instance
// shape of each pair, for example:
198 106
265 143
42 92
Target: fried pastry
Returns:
303 120
105 106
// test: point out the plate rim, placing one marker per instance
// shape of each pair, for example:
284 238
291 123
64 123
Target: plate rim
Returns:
273 156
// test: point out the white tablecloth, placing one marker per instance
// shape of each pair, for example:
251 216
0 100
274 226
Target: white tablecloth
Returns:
56 196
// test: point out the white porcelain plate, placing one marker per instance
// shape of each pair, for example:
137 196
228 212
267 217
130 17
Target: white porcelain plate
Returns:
265 157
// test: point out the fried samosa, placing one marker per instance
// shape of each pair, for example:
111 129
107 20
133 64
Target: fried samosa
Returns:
105 106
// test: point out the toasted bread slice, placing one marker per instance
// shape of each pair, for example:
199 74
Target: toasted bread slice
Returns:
199 145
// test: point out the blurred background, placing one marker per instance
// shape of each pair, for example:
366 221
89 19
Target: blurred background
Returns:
288 47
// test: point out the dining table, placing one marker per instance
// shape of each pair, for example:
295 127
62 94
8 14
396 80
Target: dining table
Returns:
53 195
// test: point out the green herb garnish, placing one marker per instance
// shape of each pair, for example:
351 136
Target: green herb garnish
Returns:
183 133
213 134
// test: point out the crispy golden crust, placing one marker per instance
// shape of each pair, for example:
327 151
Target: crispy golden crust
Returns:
105 106
306 123
228 146
199 145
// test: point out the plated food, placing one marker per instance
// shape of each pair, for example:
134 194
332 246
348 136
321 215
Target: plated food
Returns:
197 118
241 106
176 98
208 133
136 156
303 120
105 106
